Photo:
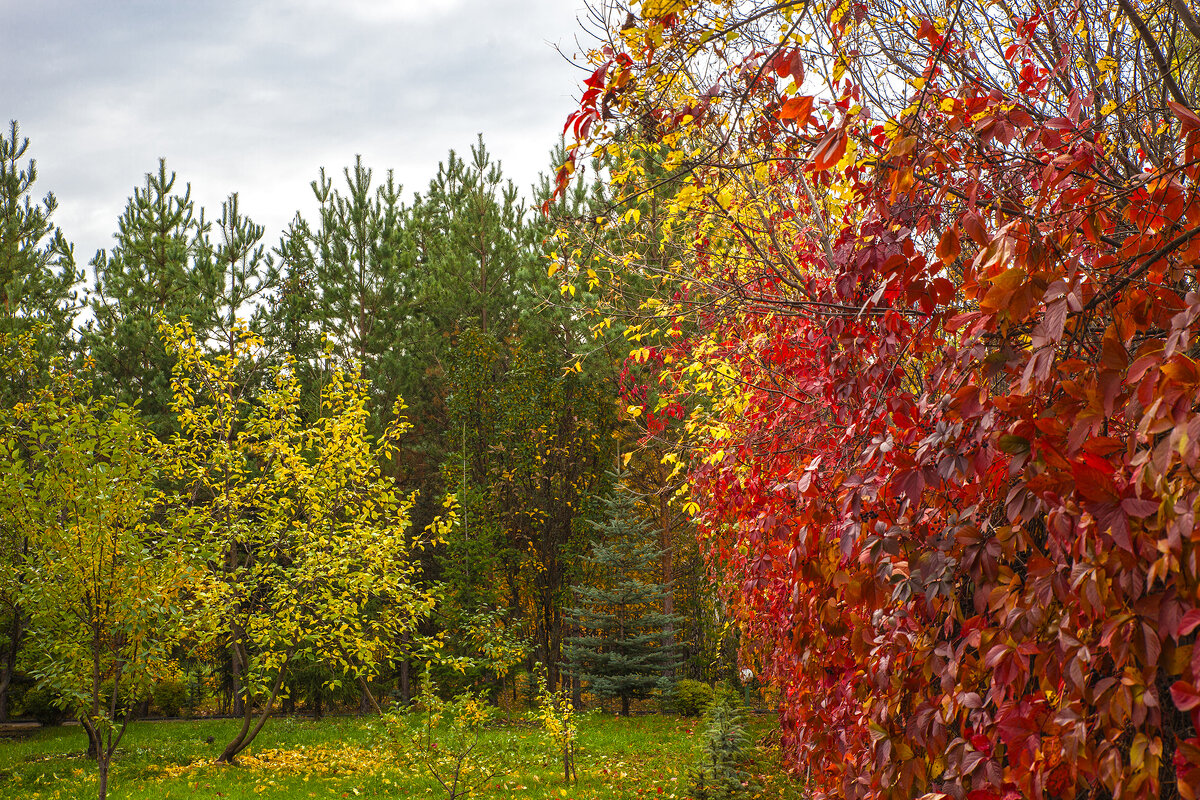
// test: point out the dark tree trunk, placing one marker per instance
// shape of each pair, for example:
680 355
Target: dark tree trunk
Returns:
250 728
238 706
93 751
105 746
15 634
405 684
668 577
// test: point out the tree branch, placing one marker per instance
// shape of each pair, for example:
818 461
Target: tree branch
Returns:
1155 53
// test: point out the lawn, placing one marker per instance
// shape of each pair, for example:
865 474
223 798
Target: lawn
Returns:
630 757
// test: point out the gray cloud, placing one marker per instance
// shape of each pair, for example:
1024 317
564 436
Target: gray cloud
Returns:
254 96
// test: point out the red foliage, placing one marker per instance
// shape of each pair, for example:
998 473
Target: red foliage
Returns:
957 512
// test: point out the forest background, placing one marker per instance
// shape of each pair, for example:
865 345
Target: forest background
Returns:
370 442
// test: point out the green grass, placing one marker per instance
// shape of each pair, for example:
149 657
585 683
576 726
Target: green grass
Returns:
632 757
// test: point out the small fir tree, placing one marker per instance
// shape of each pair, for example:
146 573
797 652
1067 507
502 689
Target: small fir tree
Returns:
621 649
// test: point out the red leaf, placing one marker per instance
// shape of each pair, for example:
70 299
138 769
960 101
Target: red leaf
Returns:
1185 696
1139 507
948 246
797 108
972 224
789 63
1186 116
1190 621
830 150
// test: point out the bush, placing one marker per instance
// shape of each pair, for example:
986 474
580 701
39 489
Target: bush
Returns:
724 691
42 704
692 698
442 740
170 695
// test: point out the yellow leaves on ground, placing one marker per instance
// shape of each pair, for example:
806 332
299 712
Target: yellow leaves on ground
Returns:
322 760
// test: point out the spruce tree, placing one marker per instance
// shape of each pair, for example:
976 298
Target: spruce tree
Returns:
621 650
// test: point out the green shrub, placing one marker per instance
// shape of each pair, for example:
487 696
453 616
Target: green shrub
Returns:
42 704
722 690
691 698
170 695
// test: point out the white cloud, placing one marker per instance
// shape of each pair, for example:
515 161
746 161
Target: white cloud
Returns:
254 96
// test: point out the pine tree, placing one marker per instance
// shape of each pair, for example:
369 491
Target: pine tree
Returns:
38 304
161 268
621 650
473 237
347 275
37 264
249 280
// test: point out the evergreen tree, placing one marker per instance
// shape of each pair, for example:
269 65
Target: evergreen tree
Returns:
347 276
529 426
37 265
474 238
162 267
249 276
621 649
38 304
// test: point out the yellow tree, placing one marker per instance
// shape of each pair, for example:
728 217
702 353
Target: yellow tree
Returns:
309 544
99 577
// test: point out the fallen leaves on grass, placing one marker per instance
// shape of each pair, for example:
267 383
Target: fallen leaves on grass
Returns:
317 760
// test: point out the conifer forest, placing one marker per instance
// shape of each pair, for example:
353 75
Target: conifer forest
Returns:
823 423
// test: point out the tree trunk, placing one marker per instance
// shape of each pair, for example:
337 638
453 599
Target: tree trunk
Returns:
368 702
15 634
624 705
246 735
104 749
668 577
93 751
237 656
238 707
405 684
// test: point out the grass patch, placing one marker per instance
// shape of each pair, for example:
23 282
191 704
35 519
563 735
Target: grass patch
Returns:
633 757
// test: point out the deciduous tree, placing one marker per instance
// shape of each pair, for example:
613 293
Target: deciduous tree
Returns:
102 574
310 548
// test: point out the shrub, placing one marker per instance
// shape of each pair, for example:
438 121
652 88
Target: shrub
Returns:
43 704
557 717
724 691
692 698
170 695
442 740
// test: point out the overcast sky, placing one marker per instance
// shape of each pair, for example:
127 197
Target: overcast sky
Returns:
254 96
